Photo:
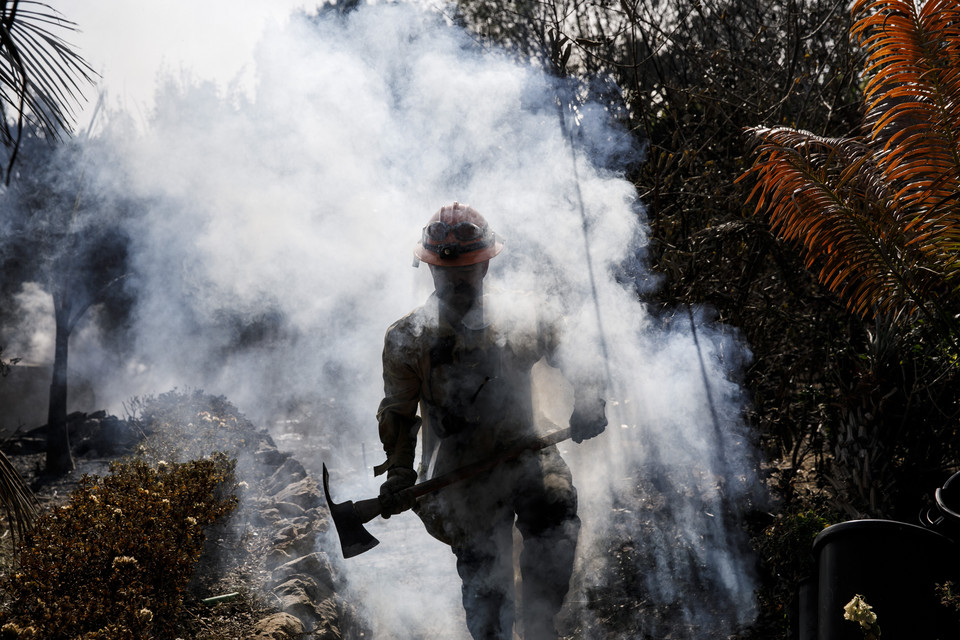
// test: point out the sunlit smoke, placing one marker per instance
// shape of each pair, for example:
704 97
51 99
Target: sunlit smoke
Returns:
274 248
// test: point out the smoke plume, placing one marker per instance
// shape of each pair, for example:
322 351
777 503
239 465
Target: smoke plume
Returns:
274 246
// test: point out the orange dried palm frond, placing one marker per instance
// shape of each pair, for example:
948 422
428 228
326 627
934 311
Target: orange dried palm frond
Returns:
878 217
825 195
913 110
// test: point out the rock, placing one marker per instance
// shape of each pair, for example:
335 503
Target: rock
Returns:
267 516
291 504
289 509
267 455
286 534
284 552
298 596
313 564
305 493
279 626
337 620
286 474
276 557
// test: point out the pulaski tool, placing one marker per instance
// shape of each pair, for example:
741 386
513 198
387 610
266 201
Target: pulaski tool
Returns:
349 517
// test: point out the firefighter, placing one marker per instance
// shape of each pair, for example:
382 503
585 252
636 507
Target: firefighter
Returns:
458 370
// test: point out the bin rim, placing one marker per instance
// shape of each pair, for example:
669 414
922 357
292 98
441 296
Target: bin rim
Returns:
944 508
875 524
954 479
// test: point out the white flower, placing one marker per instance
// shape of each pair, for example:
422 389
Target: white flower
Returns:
857 610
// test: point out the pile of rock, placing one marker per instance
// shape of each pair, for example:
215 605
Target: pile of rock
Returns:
292 508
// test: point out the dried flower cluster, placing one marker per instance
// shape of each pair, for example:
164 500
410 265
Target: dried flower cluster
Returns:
857 610
113 563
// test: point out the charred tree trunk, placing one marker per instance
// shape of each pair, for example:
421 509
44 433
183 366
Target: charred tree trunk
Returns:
59 457
68 307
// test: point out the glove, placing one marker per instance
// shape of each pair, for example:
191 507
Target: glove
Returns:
393 500
588 420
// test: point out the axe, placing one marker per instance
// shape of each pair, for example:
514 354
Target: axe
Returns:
349 517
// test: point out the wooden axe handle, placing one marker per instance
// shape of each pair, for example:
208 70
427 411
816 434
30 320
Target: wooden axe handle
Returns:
478 467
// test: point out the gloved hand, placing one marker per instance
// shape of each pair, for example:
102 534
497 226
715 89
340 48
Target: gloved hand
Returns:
588 420
392 497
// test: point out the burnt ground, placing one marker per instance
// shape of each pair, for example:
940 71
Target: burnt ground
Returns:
249 558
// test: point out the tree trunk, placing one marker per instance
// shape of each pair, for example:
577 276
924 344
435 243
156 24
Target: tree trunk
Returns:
59 457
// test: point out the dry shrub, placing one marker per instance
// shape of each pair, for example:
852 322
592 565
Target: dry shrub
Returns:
184 425
114 561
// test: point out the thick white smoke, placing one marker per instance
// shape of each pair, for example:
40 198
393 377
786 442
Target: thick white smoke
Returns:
276 245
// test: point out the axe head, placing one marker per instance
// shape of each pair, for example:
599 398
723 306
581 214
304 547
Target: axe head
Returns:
348 521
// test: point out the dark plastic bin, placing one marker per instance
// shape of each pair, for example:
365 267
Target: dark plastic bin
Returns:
895 566
807 610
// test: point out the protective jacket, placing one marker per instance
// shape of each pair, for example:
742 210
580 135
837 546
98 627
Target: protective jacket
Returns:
472 384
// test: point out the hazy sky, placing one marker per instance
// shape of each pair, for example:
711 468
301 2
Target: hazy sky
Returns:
129 42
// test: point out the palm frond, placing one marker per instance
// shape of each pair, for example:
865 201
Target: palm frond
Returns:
913 109
878 217
41 77
825 195
17 500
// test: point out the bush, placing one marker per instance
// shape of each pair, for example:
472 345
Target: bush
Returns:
115 560
785 550
185 425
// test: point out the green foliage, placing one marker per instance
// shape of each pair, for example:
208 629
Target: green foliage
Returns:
894 425
787 542
868 408
875 217
16 500
688 79
66 233
113 563
785 548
